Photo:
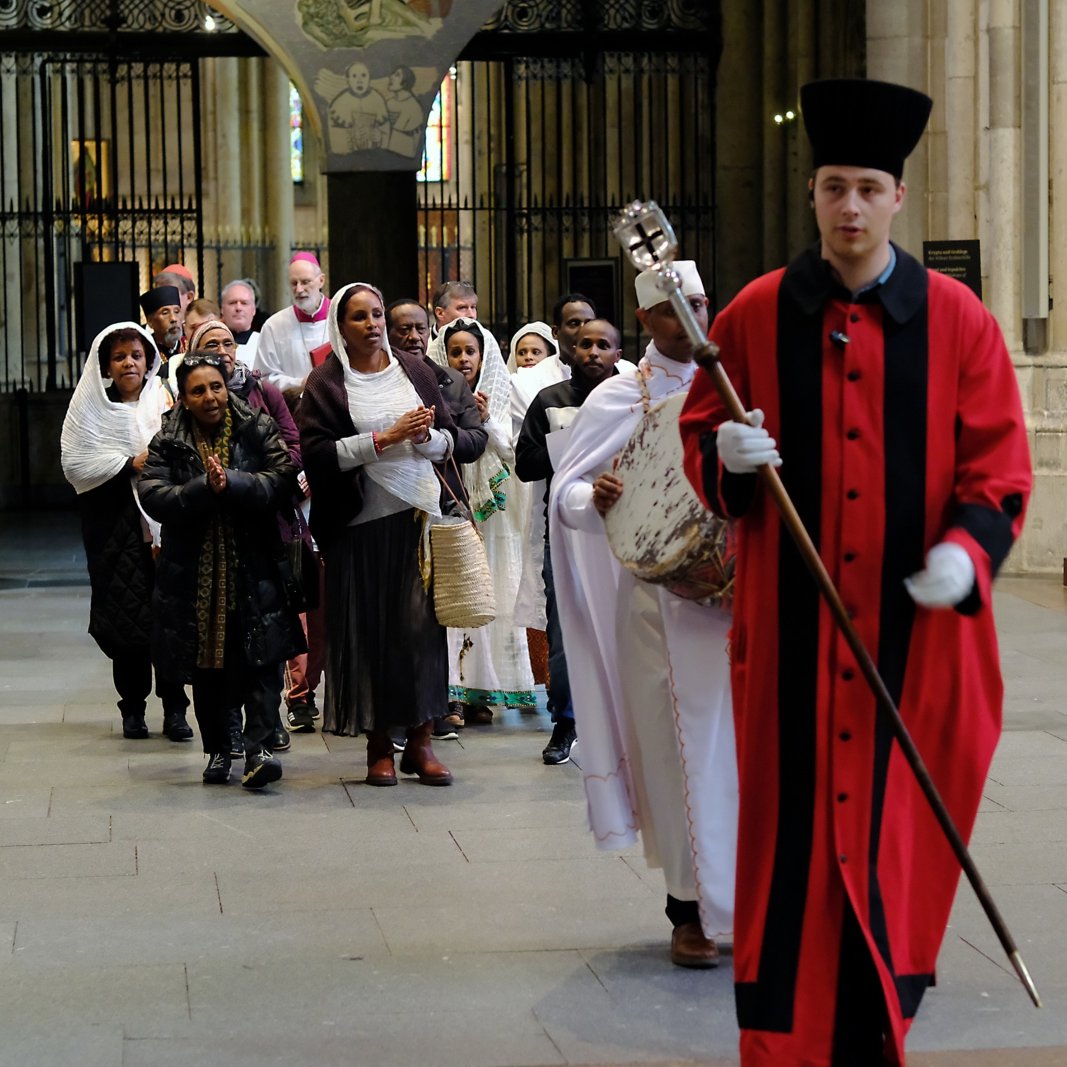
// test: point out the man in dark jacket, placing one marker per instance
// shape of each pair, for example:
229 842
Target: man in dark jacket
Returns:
553 409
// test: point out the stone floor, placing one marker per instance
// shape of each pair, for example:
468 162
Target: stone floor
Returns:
153 921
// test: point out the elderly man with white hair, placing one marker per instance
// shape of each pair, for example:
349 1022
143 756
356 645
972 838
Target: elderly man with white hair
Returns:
289 336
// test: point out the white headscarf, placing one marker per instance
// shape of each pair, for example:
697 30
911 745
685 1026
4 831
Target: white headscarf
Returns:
100 435
484 478
376 401
543 330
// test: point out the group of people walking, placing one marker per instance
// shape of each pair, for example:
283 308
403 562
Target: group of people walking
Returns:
217 525
728 731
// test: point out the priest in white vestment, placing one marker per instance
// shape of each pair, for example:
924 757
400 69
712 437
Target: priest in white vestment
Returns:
652 700
289 336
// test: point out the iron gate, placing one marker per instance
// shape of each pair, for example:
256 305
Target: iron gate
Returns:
534 155
100 161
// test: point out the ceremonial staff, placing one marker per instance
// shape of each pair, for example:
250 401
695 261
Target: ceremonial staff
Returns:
649 241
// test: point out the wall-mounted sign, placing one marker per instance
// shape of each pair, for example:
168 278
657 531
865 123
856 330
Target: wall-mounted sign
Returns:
367 70
961 260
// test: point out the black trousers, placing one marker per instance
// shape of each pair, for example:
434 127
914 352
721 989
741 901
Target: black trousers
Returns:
559 684
238 683
132 673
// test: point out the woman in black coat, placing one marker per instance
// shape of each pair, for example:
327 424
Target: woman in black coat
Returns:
225 602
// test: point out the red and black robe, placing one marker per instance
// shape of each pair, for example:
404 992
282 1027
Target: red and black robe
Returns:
908 433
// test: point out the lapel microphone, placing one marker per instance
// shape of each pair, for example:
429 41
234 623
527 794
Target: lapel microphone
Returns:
839 338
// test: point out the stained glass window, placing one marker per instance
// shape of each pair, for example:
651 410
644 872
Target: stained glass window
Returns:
437 156
296 135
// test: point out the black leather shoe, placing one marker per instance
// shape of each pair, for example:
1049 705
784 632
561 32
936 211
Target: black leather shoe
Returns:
280 740
217 771
177 729
558 749
134 728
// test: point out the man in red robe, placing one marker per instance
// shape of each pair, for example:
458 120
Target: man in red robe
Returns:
893 399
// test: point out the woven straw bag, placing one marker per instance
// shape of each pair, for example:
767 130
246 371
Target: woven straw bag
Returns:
462 583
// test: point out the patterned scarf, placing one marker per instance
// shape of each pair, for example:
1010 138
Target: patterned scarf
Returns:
216 593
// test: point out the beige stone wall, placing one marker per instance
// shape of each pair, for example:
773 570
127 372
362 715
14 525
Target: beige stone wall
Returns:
966 181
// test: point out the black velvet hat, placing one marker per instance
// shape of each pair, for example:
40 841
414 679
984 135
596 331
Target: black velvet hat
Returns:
160 297
853 122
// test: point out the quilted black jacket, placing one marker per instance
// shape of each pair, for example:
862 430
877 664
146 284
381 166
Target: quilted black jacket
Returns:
261 479
121 571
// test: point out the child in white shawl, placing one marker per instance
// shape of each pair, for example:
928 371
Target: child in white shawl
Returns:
490 665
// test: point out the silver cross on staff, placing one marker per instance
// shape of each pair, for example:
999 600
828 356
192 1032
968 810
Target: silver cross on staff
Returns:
648 239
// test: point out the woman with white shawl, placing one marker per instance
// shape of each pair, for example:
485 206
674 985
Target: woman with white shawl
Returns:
116 409
491 664
372 425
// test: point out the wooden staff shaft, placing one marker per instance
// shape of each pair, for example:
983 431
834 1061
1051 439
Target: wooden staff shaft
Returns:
707 357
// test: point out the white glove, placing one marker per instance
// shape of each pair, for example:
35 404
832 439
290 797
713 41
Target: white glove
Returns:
947 579
742 448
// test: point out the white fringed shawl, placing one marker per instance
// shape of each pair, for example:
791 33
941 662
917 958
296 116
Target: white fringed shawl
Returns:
375 402
484 478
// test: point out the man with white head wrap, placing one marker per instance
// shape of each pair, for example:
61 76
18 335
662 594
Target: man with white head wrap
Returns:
651 699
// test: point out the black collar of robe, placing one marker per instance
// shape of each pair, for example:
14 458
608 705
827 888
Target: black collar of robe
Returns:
809 282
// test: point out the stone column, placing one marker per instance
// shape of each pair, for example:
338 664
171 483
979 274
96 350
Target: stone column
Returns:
775 93
252 132
279 182
954 204
1058 174
1003 298
898 51
738 258
228 194
11 299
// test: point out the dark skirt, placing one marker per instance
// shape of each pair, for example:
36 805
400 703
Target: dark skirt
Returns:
387 655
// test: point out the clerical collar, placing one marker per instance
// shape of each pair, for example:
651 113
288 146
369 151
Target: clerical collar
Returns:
242 337
320 312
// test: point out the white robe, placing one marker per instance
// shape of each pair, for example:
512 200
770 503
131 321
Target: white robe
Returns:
526 383
649 674
283 356
246 353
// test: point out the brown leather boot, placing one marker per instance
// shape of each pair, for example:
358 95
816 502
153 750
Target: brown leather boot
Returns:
380 758
419 759
690 948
